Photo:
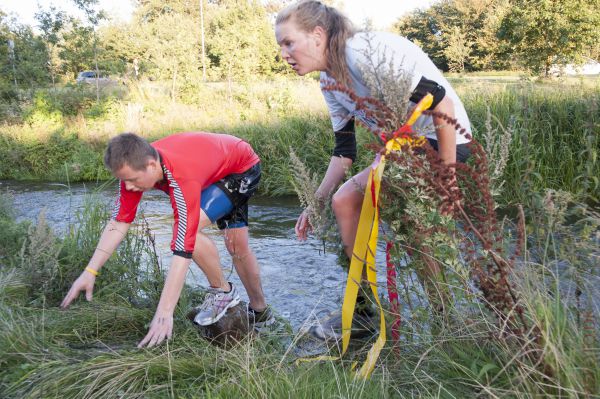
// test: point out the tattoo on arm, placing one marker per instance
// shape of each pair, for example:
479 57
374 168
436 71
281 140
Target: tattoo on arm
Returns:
102 250
115 229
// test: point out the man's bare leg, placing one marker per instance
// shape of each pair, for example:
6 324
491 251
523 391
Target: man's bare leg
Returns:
207 258
246 265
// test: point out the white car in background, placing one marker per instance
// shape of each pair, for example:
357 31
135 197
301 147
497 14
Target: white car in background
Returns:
89 77
589 67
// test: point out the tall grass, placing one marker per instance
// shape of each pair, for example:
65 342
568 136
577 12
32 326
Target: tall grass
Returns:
89 351
556 129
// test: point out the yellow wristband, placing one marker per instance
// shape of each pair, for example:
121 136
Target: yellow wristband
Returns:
89 269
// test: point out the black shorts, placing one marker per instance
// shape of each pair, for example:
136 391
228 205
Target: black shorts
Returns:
238 187
462 150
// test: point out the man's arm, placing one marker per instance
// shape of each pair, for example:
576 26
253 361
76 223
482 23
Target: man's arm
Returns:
111 237
161 326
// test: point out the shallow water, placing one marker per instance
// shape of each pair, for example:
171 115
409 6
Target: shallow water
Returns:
300 280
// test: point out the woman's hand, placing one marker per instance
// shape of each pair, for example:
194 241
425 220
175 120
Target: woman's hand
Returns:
303 226
161 327
85 282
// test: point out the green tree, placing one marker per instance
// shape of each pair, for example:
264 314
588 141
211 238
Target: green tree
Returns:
76 49
121 45
240 40
94 17
457 49
464 30
173 52
424 29
24 55
166 40
547 32
149 10
8 79
51 22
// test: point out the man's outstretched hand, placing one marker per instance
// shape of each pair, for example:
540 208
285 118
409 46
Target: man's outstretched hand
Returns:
161 327
85 282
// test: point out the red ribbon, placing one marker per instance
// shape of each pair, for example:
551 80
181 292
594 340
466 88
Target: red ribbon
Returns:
373 194
392 292
404 131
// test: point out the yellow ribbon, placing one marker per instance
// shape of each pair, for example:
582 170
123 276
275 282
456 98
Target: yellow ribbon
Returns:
365 244
365 247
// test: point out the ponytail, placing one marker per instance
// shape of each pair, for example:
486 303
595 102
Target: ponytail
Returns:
308 14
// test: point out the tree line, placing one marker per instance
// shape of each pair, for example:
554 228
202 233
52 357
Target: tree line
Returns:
488 35
183 41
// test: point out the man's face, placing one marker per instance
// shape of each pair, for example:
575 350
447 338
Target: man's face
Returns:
139 180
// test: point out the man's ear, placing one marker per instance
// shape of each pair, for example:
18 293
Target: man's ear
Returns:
152 164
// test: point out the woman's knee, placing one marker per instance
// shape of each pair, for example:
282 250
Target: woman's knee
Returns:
346 202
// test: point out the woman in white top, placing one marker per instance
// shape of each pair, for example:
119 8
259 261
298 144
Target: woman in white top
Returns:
316 37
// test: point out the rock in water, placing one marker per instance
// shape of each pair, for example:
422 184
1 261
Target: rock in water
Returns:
230 329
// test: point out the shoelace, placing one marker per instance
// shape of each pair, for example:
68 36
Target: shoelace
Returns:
210 300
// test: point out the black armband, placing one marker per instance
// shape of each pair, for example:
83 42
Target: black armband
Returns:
183 254
428 86
345 141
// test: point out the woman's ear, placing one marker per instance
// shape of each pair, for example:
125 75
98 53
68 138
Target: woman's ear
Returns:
320 35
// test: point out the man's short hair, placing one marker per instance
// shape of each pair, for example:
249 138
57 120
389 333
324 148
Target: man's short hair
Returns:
130 149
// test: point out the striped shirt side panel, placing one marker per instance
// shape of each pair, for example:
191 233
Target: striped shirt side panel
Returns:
117 206
181 211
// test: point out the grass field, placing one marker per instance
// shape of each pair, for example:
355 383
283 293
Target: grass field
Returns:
553 127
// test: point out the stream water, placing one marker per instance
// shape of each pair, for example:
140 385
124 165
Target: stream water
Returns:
301 281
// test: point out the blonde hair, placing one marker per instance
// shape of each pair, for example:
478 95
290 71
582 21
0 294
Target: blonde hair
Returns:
308 14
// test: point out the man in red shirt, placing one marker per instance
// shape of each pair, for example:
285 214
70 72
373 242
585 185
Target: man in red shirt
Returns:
209 178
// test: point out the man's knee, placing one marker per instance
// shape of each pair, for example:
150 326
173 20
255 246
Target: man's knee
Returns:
237 244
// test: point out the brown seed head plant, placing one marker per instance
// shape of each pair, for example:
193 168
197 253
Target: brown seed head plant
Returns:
442 217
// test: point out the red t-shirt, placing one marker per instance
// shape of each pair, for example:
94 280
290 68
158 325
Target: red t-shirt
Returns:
191 162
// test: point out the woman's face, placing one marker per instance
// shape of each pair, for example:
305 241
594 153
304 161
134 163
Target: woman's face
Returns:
304 51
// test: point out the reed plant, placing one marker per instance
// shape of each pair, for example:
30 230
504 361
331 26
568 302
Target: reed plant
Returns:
555 134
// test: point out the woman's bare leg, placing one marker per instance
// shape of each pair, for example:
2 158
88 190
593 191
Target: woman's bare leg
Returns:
347 204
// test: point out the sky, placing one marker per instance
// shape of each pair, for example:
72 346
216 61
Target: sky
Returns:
381 12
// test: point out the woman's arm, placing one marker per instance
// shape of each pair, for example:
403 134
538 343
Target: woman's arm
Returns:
334 175
336 171
445 132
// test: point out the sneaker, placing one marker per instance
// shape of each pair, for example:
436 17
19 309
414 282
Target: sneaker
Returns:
330 328
215 305
260 320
